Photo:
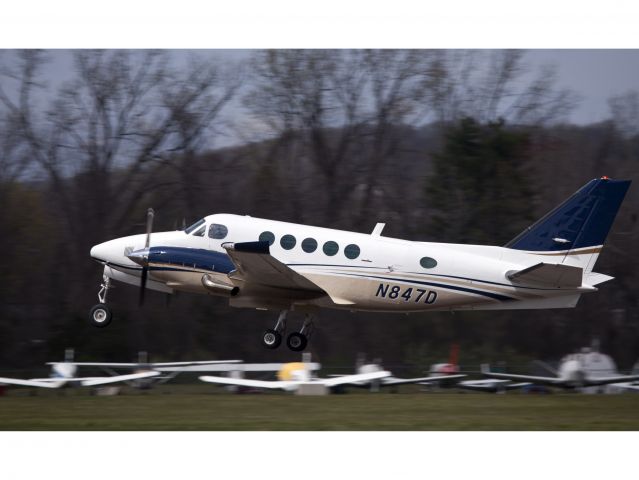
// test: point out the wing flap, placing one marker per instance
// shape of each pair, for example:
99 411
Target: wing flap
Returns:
549 274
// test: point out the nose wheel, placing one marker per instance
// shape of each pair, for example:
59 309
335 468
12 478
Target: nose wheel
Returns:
100 315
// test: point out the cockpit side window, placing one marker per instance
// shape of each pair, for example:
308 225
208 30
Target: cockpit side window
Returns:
193 227
200 231
218 231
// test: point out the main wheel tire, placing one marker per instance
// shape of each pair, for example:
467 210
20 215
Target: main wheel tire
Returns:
100 315
271 339
296 341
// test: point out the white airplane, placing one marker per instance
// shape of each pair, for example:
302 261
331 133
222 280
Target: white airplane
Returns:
165 370
570 375
293 376
446 371
266 264
63 374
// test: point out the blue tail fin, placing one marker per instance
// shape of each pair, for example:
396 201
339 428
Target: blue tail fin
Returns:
583 220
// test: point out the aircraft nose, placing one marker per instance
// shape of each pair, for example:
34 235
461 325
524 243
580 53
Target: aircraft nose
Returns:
99 252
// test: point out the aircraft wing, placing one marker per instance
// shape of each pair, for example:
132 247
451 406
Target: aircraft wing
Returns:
247 382
42 383
552 381
627 385
607 380
242 367
150 365
255 264
491 385
549 274
357 378
93 381
387 382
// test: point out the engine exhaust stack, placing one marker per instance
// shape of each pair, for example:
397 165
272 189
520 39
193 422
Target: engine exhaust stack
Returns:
219 288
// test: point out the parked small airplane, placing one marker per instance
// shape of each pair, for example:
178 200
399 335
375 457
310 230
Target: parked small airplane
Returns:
445 371
296 375
391 381
63 375
266 264
165 370
570 375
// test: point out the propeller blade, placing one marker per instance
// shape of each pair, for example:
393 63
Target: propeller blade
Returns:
145 269
145 272
149 226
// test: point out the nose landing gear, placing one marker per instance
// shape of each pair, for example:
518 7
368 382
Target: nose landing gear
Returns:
295 341
100 315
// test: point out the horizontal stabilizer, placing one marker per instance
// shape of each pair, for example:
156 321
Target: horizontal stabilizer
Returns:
593 279
549 274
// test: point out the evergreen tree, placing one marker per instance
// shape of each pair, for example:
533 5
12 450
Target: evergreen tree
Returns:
479 191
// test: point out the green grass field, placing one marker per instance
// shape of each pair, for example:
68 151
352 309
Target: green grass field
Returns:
199 409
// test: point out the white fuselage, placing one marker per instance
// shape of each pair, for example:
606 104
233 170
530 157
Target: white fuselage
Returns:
382 274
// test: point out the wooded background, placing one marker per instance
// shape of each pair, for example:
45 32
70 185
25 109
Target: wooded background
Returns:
446 145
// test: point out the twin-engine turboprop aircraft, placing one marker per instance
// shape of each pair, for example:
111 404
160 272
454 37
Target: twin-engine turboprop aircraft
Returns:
266 264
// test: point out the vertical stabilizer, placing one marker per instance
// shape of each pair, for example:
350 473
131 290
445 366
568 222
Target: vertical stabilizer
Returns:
579 226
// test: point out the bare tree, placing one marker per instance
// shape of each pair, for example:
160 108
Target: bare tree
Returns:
625 112
343 107
122 114
493 85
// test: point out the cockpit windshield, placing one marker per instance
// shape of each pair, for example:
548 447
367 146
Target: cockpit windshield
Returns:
193 227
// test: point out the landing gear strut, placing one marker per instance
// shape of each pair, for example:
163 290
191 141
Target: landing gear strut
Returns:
100 315
295 341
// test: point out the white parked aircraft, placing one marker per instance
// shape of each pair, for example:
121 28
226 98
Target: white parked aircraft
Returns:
446 371
296 375
570 375
165 370
63 374
267 264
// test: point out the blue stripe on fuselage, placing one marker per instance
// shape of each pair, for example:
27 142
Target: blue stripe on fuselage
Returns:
191 258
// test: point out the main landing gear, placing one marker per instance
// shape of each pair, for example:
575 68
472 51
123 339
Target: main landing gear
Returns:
296 341
100 315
